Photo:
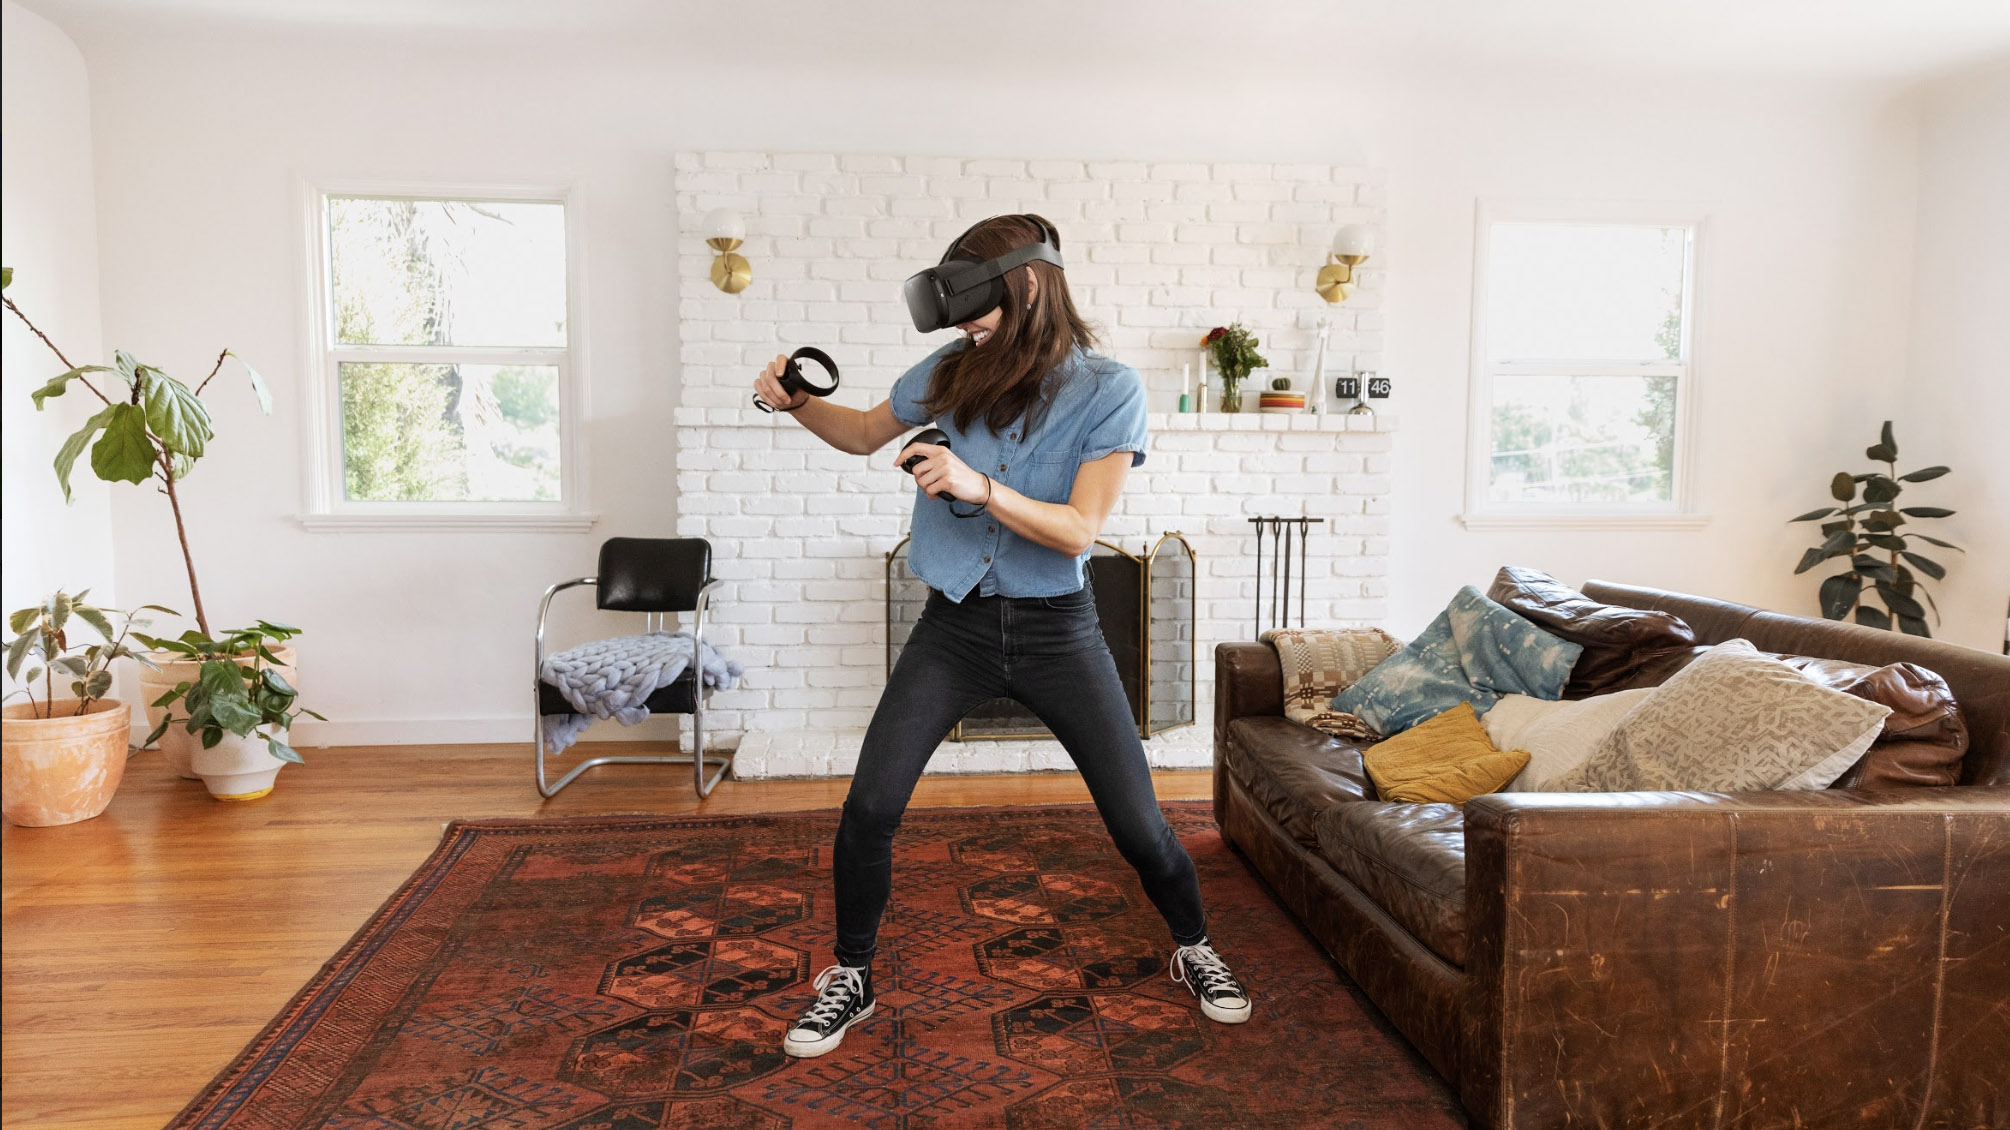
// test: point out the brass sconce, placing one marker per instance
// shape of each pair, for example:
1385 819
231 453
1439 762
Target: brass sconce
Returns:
724 231
1351 246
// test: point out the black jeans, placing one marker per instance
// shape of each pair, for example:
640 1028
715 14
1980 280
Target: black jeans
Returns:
1049 654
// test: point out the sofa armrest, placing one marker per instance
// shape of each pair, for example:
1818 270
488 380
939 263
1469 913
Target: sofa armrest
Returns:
1247 680
1818 958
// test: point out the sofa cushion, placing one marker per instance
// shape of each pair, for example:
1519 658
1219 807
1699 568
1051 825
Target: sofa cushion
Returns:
1475 651
1924 738
1295 772
1447 759
1410 859
1733 720
1557 736
1617 640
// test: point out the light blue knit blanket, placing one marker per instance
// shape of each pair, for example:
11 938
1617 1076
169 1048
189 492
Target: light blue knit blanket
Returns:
614 678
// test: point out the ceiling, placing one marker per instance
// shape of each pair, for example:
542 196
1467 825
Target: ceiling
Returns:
1881 39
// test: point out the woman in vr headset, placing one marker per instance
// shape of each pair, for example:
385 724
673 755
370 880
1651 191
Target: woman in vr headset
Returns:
1041 435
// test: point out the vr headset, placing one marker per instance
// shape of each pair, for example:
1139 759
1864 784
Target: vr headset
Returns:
962 287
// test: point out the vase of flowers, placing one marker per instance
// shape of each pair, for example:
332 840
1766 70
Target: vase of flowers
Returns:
1233 348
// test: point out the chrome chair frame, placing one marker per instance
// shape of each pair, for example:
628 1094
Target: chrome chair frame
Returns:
654 621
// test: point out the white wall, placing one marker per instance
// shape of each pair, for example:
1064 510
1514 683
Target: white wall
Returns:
203 133
51 238
1955 409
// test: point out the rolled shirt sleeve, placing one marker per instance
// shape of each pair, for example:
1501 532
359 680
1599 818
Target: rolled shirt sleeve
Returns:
1120 412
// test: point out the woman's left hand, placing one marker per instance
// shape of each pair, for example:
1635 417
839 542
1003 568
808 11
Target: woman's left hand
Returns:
941 474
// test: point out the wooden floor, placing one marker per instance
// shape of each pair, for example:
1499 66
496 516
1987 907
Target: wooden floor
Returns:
144 948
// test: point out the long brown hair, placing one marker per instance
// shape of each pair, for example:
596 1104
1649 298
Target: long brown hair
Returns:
1001 380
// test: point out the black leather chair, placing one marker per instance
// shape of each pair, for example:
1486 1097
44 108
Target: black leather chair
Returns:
656 577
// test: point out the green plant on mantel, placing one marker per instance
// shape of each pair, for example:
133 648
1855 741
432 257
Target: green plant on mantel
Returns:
1861 530
153 427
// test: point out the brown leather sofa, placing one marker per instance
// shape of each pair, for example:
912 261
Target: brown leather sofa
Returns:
1838 958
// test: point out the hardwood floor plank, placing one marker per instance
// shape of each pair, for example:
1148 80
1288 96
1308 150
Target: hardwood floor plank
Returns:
146 947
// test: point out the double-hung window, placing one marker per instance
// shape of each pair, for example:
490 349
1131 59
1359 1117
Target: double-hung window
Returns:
445 360
1582 376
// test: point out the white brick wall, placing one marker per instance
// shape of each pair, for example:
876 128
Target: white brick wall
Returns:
1157 254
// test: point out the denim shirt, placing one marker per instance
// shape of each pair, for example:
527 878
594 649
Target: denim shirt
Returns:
1097 407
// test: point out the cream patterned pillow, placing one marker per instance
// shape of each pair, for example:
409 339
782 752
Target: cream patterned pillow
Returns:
1558 736
1731 721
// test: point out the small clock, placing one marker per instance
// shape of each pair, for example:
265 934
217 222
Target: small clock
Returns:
1378 388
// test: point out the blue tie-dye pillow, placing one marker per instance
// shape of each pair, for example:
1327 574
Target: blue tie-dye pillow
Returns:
1475 651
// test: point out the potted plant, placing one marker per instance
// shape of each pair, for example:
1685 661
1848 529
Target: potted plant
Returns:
62 759
238 711
1860 530
152 427
1233 348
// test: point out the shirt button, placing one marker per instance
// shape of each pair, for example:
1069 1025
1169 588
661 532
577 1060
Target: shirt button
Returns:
991 529
987 557
1014 435
1001 466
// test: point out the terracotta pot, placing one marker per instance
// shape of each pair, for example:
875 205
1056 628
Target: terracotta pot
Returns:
178 746
63 769
238 768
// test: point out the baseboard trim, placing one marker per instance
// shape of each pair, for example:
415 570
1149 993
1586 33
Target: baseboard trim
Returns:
309 734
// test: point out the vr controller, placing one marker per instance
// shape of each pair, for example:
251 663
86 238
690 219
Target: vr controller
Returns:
927 435
792 381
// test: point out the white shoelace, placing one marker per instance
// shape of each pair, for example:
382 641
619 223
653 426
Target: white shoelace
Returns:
834 985
1203 962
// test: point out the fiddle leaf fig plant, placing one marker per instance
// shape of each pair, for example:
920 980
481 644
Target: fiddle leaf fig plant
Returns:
228 694
1864 527
152 426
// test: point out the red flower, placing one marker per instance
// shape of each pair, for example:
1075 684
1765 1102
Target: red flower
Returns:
1214 334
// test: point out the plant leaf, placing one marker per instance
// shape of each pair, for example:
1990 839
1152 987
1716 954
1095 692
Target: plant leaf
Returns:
1842 488
1810 559
1926 565
1871 567
1879 489
177 417
166 721
96 620
97 686
257 385
1923 475
19 621
1839 595
282 751
66 456
1872 617
57 384
6 277
1927 511
1898 602
1936 541
1813 514
124 453
1885 541
17 651
1913 626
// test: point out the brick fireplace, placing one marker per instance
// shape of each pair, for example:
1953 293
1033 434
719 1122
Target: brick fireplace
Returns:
1157 254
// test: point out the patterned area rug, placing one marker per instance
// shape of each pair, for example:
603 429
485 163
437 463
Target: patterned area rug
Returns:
622 973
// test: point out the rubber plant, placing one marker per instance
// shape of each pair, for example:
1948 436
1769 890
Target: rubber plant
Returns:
42 638
1861 530
152 427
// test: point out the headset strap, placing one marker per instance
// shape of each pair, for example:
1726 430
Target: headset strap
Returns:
976 274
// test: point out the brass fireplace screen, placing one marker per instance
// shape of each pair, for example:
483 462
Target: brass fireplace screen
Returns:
1147 609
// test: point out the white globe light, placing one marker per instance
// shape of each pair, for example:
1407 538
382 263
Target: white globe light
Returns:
725 223
1354 239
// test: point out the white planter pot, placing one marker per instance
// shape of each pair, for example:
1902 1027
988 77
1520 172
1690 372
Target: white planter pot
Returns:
178 746
237 768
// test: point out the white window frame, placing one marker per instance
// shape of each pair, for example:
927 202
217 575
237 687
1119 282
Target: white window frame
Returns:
1679 511
324 508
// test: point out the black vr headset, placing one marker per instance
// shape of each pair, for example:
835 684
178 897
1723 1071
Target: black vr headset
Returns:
962 287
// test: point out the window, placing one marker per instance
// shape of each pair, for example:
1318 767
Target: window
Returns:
1581 370
445 331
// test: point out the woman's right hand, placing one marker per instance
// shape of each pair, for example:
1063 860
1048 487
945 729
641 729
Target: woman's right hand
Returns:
769 386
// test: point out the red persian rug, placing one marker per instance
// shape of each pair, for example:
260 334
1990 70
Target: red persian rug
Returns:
622 973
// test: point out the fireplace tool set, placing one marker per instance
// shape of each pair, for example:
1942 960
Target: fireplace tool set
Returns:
1279 531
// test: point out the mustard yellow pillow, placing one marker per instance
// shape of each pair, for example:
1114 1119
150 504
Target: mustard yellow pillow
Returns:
1447 759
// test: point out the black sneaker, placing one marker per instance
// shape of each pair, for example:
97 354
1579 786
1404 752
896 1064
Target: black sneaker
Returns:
844 998
1202 970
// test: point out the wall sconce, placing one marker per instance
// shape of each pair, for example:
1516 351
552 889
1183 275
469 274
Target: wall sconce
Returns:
1351 246
724 231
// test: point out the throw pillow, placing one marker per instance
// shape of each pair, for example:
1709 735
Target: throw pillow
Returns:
1319 663
1733 720
1558 736
1617 640
1475 651
1444 760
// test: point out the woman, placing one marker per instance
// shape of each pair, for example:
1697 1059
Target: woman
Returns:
1042 433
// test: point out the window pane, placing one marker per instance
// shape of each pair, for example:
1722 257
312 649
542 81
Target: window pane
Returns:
1607 439
447 272
449 433
1584 292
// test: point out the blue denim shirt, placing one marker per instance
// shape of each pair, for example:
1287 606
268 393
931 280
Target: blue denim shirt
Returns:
1098 406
